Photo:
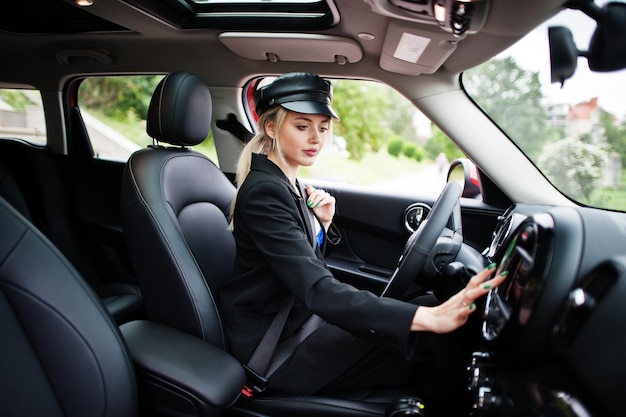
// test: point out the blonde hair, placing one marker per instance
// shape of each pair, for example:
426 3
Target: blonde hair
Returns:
260 143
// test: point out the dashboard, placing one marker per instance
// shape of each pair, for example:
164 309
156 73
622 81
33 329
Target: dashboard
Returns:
552 334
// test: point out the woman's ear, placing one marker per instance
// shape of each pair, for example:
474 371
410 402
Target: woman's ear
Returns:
270 129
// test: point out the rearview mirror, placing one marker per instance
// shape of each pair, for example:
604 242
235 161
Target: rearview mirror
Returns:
563 54
607 48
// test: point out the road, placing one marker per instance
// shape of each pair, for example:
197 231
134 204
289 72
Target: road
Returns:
429 180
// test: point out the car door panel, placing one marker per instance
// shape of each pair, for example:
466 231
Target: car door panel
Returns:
97 194
374 235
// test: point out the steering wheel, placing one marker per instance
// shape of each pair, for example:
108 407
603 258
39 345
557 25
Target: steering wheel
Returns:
422 242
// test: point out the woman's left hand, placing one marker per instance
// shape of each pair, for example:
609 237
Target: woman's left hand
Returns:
322 203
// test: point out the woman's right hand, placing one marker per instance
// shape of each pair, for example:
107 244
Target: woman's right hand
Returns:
454 313
322 203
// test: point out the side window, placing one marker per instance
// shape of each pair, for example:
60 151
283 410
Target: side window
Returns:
382 141
22 115
114 109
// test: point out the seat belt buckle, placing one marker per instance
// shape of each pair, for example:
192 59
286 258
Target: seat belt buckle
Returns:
256 383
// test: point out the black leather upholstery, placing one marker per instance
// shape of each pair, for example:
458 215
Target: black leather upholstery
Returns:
174 207
62 354
175 204
122 300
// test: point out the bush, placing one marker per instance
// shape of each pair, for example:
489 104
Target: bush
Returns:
573 166
395 145
409 149
420 152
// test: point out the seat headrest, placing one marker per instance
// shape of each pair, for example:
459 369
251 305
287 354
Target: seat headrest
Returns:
180 110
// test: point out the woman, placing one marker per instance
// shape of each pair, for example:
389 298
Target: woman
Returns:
282 230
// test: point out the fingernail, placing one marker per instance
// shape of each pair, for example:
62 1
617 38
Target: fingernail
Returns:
491 265
309 203
504 273
486 286
472 306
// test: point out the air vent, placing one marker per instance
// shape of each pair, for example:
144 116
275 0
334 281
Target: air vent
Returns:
582 301
414 215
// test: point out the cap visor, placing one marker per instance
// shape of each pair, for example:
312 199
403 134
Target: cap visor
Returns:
311 107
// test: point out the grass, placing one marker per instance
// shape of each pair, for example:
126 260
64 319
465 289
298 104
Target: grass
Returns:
374 167
133 130
611 198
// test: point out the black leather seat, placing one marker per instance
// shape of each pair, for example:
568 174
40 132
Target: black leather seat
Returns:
62 353
175 203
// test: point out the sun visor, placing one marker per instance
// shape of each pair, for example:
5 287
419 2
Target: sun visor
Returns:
301 47
411 51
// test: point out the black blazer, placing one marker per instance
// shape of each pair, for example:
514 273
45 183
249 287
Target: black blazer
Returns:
276 257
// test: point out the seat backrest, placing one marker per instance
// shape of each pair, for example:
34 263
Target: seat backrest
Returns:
175 204
62 354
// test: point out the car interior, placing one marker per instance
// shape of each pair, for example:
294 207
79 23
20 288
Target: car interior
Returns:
121 124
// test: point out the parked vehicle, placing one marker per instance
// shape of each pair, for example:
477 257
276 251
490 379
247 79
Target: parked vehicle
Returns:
521 102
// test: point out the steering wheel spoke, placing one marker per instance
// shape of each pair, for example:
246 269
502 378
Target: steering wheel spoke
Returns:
421 243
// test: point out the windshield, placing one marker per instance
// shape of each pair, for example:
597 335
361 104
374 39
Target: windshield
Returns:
574 133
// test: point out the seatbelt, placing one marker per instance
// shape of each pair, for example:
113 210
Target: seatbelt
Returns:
257 366
232 125
307 213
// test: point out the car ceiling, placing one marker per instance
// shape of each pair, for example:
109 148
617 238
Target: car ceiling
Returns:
119 37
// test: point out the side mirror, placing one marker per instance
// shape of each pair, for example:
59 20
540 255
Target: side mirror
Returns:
464 172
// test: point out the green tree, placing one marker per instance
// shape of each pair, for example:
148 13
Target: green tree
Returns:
614 133
362 109
15 98
122 98
512 97
398 116
438 143
573 166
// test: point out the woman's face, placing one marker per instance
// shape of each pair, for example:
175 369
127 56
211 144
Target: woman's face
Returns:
301 137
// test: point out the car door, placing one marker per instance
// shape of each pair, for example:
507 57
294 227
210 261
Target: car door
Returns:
376 225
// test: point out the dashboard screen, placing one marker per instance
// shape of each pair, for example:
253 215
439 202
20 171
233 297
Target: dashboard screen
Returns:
511 304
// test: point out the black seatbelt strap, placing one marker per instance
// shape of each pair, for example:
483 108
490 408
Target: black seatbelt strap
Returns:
233 125
256 368
307 214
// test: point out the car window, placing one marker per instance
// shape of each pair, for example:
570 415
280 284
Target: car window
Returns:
382 141
22 115
114 109
575 133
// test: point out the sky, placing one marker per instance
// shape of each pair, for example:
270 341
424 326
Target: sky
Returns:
609 87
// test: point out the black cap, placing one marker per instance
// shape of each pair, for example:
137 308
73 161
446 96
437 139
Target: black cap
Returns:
301 92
